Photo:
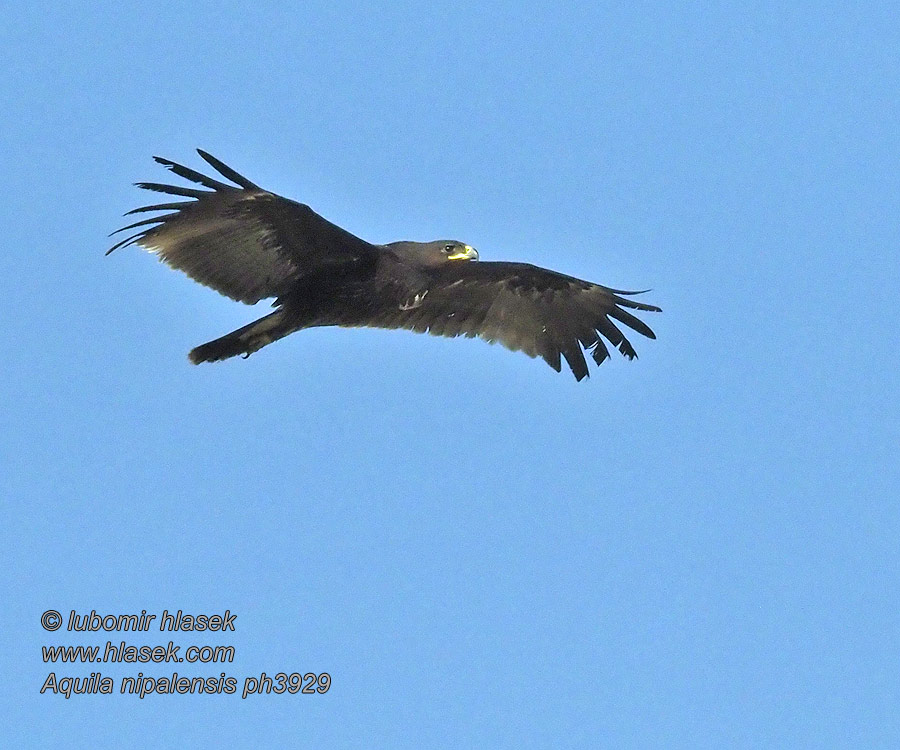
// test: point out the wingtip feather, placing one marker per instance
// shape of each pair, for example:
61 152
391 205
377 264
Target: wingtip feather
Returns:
226 171
193 175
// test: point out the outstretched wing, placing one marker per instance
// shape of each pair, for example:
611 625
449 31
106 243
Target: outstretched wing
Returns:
241 240
525 308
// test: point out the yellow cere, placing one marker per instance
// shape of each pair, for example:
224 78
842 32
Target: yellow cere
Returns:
467 253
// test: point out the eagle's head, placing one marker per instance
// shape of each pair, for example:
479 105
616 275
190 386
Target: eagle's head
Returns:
452 250
434 253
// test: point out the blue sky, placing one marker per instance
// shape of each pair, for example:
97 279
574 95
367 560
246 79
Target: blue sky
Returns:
695 549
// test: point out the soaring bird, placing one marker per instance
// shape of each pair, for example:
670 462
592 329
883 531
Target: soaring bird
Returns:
250 244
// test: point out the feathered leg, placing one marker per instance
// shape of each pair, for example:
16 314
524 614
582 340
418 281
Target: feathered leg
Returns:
245 340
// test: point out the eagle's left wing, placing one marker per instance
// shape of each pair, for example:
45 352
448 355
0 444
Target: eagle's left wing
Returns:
525 308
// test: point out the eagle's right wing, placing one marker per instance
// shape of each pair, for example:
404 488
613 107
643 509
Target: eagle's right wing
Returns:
243 241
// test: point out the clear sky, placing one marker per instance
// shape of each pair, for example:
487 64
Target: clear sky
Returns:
695 549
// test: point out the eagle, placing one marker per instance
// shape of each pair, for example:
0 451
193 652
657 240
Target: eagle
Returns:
250 244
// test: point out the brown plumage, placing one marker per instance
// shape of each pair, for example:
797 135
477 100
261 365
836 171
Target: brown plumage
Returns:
250 244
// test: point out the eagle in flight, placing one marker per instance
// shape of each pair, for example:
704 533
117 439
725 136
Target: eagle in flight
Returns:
250 244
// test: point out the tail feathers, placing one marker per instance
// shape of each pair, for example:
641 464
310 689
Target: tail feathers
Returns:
244 340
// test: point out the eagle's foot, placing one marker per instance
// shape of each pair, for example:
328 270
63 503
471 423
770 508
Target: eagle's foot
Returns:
415 302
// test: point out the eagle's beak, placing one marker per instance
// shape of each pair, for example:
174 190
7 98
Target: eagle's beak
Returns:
467 253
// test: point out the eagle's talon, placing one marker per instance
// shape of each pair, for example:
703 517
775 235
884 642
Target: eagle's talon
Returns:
416 302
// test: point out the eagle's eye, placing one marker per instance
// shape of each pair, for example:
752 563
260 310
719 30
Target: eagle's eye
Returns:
447 249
